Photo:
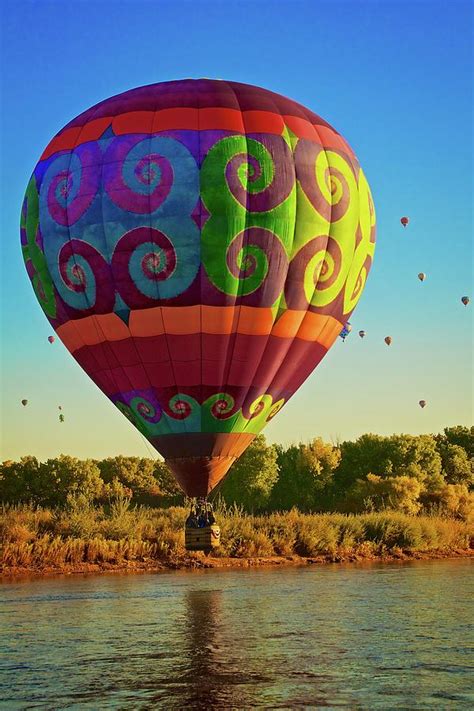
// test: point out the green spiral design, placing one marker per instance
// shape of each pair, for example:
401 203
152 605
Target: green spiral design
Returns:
29 225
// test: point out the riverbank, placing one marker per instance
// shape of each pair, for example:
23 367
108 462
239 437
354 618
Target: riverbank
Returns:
203 562
120 538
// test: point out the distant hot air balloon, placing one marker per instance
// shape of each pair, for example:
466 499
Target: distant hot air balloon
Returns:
168 238
388 340
422 403
51 339
60 407
421 276
61 418
24 403
465 300
404 221
362 334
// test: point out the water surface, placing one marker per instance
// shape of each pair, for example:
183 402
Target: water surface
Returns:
362 637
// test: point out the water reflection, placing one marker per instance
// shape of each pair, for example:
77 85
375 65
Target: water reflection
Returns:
394 636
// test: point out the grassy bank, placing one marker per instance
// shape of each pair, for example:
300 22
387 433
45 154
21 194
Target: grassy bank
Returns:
120 537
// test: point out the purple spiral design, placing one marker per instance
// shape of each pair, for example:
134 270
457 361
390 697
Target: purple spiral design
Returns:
100 295
283 175
148 411
294 288
306 155
262 283
151 267
145 171
72 190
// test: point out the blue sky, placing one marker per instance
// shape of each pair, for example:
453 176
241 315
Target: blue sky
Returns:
393 77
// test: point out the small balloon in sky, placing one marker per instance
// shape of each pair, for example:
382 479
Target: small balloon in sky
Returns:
362 334
61 418
422 403
465 300
388 340
24 403
422 276
51 339
404 221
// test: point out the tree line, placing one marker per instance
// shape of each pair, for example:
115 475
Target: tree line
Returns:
407 473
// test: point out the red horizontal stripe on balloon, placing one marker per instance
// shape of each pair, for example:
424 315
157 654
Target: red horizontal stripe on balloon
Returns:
72 137
188 320
224 119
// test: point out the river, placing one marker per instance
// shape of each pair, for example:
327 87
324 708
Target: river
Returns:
356 636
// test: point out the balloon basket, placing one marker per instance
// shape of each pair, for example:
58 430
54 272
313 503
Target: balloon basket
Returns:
202 539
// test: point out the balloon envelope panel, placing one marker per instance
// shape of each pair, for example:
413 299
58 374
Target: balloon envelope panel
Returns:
198 246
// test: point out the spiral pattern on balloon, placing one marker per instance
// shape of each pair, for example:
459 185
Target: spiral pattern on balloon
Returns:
222 405
181 406
131 416
85 278
257 261
275 409
137 178
261 178
151 412
143 259
323 176
355 284
71 184
32 247
313 273
257 407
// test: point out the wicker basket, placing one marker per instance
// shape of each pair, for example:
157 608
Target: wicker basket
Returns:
202 539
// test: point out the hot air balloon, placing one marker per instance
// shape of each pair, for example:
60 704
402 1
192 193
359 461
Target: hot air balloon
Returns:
404 221
465 300
24 403
388 340
51 339
60 407
61 418
362 334
345 331
202 245
421 276
422 403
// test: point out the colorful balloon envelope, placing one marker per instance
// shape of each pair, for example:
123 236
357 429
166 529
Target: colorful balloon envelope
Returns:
198 246
404 221
465 300
388 340
421 276
51 339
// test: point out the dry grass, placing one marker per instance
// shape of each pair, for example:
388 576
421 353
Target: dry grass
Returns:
39 538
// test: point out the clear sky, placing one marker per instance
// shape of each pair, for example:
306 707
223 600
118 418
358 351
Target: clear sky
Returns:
395 78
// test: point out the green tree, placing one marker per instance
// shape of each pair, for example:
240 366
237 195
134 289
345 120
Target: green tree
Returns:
461 436
134 473
375 493
457 468
66 477
19 481
252 477
416 457
305 477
